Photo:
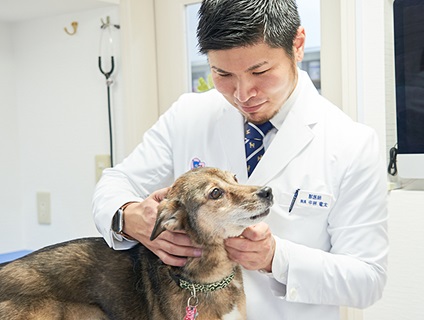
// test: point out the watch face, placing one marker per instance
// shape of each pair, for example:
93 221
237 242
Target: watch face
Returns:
118 222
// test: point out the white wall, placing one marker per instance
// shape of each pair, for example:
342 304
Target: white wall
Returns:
56 124
10 207
403 297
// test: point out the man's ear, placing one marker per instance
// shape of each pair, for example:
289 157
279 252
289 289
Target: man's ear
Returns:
171 214
299 44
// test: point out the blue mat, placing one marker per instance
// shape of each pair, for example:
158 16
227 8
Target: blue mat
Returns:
5 257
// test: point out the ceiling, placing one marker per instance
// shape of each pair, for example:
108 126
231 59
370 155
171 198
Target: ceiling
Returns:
20 10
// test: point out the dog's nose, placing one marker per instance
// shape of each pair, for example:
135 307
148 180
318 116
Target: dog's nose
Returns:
266 193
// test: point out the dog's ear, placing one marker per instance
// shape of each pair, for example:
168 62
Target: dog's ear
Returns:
170 217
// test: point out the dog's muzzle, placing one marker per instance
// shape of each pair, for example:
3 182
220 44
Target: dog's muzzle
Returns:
264 193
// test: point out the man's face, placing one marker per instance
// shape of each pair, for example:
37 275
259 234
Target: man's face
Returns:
257 80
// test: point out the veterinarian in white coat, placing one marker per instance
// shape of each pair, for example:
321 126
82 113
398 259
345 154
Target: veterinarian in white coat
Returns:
323 249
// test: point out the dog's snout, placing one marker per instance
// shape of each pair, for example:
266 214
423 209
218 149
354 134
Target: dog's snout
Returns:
266 193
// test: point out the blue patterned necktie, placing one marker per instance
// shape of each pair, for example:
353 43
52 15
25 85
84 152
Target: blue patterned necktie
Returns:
253 143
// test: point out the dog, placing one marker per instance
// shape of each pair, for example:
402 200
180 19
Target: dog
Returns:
85 279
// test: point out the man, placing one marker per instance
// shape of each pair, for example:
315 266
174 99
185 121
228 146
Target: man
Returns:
324 244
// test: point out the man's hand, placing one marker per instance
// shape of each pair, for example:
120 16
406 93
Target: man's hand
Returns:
254 249
172 248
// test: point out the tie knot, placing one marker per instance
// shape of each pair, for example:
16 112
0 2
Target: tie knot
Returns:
258 131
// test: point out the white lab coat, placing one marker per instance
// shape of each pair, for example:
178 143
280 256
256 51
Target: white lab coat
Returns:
335 237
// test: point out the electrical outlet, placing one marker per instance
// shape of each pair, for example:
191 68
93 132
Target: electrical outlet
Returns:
43 208
102 162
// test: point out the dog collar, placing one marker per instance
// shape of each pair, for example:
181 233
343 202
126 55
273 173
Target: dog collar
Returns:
208 287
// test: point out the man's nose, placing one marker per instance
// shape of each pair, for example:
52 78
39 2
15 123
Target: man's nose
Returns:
244 90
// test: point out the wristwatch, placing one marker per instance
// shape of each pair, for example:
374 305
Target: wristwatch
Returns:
118 224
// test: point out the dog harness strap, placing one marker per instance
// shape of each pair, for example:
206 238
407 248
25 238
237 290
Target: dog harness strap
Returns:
209 287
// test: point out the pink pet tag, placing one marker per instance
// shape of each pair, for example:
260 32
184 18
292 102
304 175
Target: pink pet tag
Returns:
191 313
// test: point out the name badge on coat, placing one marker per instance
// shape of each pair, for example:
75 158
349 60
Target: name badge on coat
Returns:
310 199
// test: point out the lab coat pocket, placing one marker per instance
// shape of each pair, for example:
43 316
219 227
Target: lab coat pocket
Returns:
302 218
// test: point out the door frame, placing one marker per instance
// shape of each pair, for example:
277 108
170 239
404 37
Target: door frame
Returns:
171 50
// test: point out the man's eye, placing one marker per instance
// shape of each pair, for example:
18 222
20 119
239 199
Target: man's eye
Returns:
216 194
260 72
224 74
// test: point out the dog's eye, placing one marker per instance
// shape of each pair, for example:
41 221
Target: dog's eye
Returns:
215 194
235 178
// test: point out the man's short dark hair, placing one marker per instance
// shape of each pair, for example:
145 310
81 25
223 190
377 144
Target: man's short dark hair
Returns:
227 24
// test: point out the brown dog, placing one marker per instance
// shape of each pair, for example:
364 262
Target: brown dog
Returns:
85 279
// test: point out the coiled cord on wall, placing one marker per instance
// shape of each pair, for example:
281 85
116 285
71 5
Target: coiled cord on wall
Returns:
392 168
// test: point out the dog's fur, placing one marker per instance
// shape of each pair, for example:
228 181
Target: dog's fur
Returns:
85 279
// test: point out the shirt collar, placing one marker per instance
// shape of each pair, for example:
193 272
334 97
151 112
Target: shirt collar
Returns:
278 119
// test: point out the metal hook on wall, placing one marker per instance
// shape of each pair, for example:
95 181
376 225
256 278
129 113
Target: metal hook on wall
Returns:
74 25
108 24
